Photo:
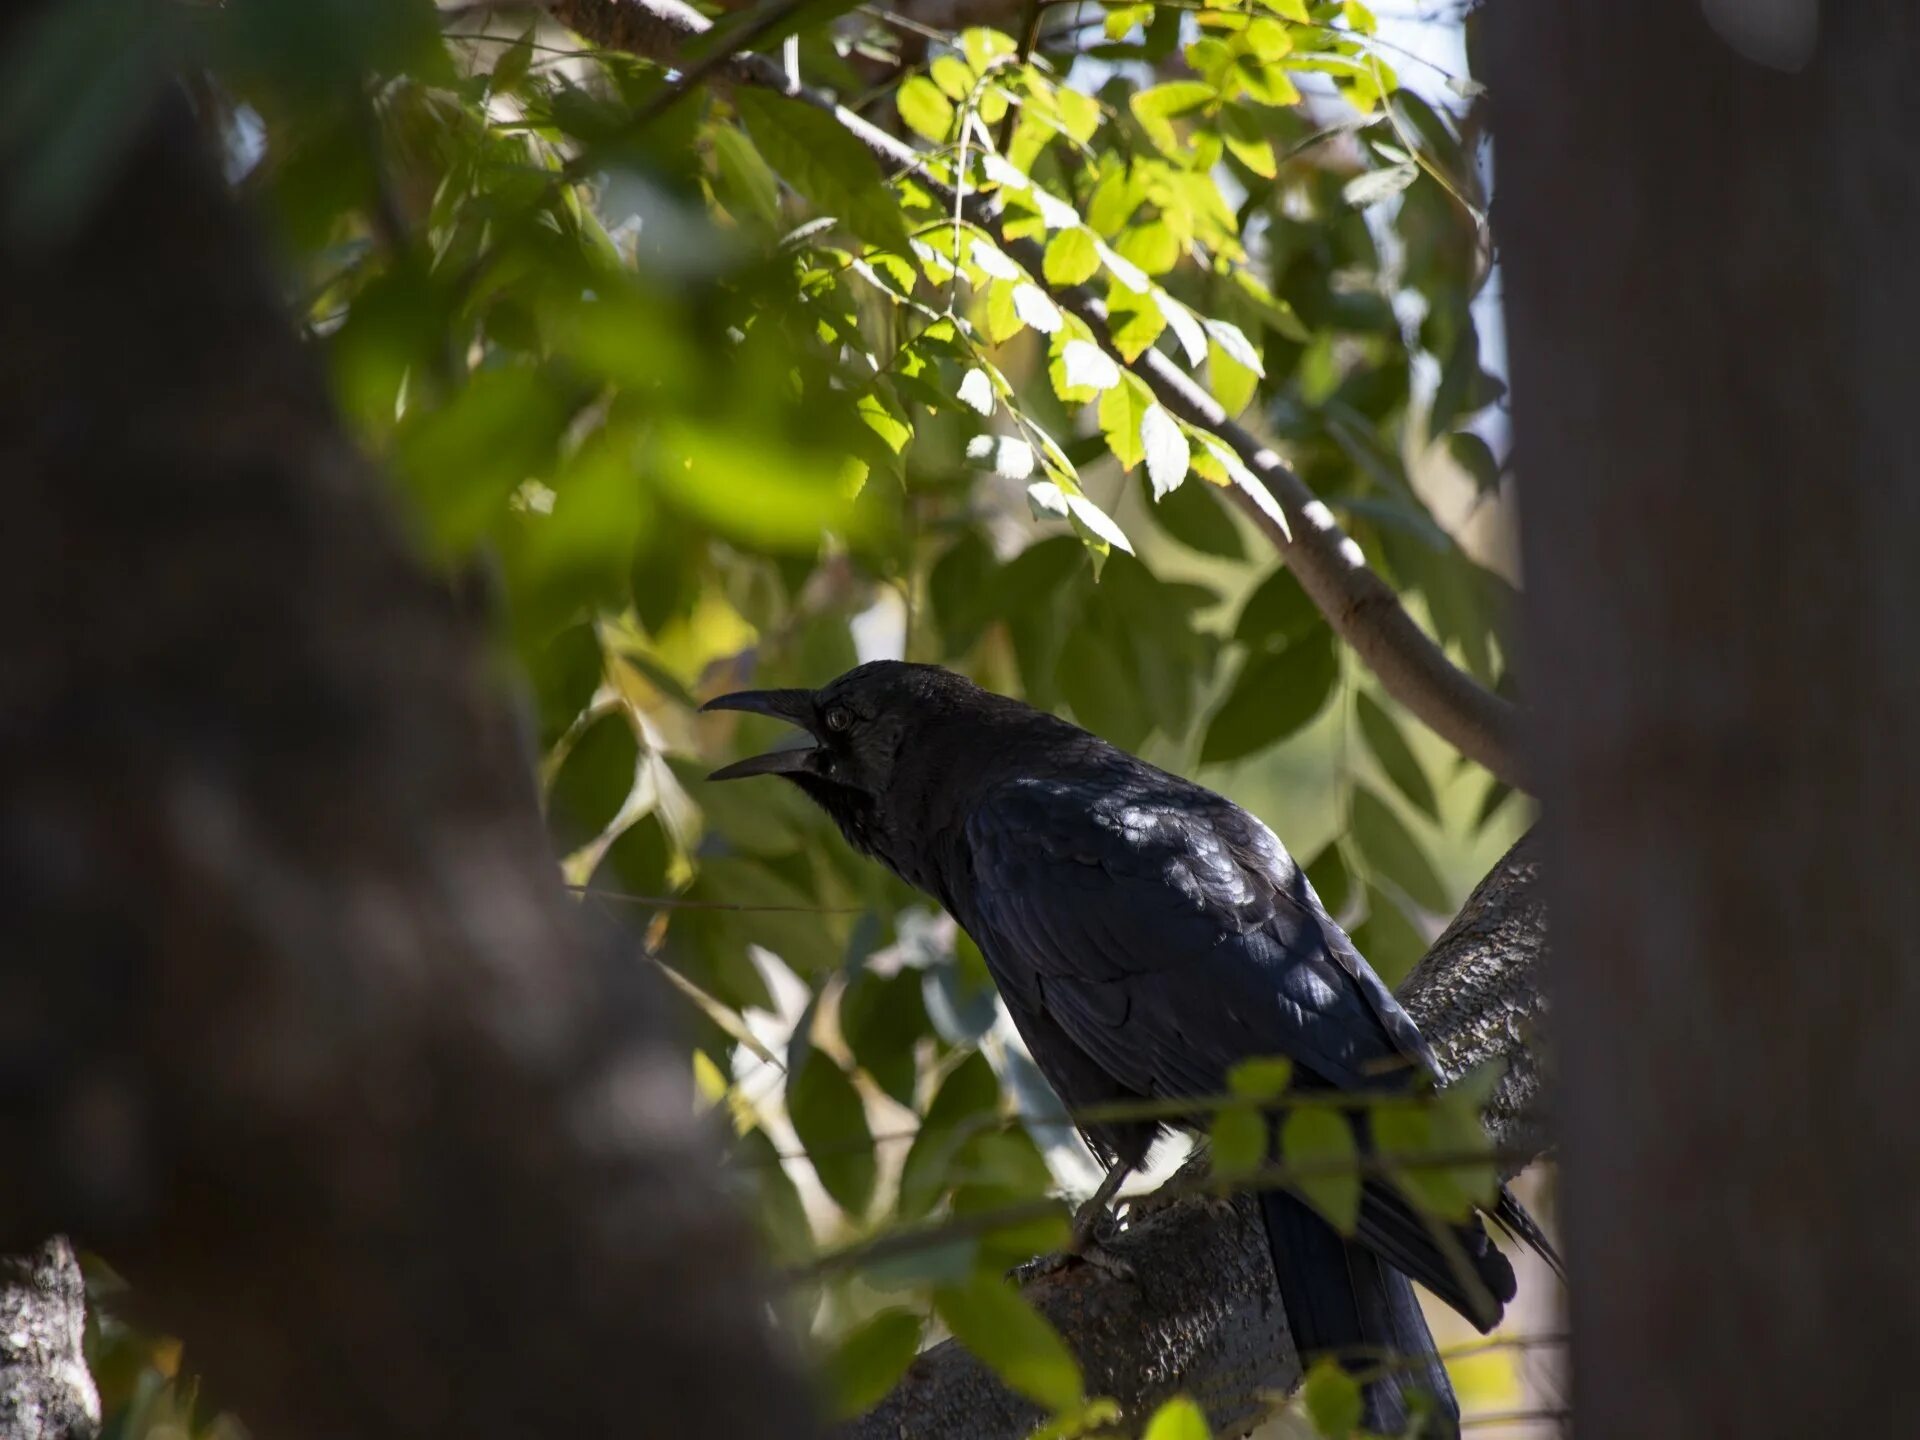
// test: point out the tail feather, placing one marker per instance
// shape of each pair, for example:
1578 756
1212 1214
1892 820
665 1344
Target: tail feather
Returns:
1343 1300
1511 1216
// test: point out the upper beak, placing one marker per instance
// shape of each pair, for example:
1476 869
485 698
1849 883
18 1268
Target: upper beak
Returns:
793 706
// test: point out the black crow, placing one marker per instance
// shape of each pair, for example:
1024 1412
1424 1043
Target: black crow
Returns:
1147 935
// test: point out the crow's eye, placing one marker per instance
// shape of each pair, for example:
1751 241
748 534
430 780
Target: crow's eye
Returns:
839 719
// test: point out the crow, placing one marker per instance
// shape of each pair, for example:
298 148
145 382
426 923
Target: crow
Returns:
1146 935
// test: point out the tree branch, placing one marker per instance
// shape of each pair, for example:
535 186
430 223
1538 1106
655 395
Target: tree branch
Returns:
1358 604
45 1390
1204 1315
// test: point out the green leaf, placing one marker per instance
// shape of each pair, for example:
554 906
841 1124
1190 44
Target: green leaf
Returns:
1233 383
1391 850
1011 1337
1498 793
953 75
824 163
870 1359
511 68
1359 17
1237 1140
1262 1077
1133 320
928 113
831 1121
1332 881
1121 410
1195 517
1475 456
1178 1419
1423 1132
1165 446
1156 108
1377 185
1072 257
1396 757
593 782
1274 696
968 1099
1278 610
883 1018
1122 18
1389 940
1322 1139
1332 1400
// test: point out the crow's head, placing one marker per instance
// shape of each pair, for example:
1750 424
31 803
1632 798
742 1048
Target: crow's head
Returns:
874 735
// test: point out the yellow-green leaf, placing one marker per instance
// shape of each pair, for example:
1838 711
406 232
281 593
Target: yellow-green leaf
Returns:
1121 410
952 75
870 1359
1321 1141
1261 1078
1332 1399
1156 108
1072 257
1013 1339
1178 1419
1238 1139
925 109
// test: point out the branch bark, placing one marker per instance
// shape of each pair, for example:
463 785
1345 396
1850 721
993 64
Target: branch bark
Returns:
1359 605
299 1025
1204 1314
45 1390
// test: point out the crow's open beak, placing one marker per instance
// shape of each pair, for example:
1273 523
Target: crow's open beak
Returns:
796 707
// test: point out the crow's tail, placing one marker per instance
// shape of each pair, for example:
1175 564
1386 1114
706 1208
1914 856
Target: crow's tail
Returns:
1343 1300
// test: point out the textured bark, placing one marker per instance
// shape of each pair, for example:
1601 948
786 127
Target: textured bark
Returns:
297 1023
45 1390
1362 609
1712 295
1204 1314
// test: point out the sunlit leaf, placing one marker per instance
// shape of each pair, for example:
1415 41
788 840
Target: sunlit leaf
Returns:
927 111
824 162
989 1317
1165 447
1320 1142
1332 1400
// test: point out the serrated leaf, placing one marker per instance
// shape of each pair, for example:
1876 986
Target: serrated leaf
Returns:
1090 517
1072 257
1232 383
1164 445
1036 308
1155 109
927 112
1014 1340
1237 1140
991 260
1396 757
1178 1419
1262 1077
1088 366
1001 321
976 391
1005 455
1321 1140
1274 696
831 1122
1475 456
1392 852
1186 328
1377 185
870 1359
825 163
1332 1400
1134 322
1122 409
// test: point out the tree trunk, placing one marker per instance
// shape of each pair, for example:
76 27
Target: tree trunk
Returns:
1713 291
297 1024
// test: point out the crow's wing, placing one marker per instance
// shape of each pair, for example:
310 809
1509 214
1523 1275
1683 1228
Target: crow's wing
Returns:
1170 933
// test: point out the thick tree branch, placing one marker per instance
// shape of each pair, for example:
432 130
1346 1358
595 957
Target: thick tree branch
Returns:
1359 605
300 1026
45 1390
1204 1315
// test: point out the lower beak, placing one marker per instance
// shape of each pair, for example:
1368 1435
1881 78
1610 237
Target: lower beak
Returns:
796 707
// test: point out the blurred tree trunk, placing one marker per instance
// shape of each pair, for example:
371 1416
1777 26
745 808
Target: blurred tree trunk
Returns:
45 1390
297 1024
1713 283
